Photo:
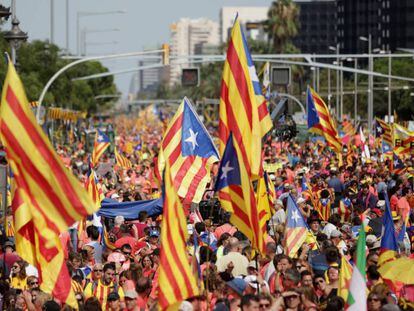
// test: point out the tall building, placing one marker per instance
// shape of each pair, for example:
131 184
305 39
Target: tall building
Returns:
389 22
250 18
149 79
187 37
317 30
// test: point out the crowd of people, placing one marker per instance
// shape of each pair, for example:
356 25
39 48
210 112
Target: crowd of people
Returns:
114 263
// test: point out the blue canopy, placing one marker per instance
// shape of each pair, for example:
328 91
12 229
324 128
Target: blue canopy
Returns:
111 208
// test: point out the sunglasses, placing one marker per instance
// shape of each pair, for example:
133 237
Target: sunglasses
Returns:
373 299
97 270
33 283
319 282
15 267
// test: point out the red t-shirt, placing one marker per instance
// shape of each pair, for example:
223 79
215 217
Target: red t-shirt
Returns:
140 228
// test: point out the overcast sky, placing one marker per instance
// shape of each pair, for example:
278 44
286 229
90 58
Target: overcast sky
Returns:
145 23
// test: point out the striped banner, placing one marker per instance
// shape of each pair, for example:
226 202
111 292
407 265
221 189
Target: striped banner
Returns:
177 281
122 161
101 144
94 188
236 195
190 152
321 122
48 198
383 130
403 140
243 109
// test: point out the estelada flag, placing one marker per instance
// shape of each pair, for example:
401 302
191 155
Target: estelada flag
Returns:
243 108
48 197
189 150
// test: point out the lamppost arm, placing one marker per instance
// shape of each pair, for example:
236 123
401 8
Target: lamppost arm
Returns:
79 61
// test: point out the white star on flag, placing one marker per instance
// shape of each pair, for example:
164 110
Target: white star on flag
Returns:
295 216
379 129
192 139
100 137
226 169
396 163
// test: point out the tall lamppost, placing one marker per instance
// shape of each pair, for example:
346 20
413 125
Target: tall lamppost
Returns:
336 49
83 14
15 36
86 31
370 82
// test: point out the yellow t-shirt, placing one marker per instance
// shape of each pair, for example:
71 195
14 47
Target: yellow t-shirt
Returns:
101 292
18 283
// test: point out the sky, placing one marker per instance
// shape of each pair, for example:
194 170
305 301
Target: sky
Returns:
144 24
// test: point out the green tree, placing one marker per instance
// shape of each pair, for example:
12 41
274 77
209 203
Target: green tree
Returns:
282 25
38 61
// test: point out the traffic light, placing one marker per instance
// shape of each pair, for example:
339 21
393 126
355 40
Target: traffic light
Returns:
190 77
166 54
281 76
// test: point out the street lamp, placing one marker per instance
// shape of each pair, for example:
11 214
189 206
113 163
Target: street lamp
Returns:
85 31
4 12
15 36
336 49
370 82
83 14
99 43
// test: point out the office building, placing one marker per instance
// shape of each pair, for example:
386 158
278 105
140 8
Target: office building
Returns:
251 19
389 22
317 29
188 36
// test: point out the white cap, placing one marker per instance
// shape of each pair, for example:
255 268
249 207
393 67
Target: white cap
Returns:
300 200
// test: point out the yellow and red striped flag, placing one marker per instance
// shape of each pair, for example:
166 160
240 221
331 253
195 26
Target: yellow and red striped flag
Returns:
94 188
101 143
177 281
403 140
383 130
296 228
189 150
320 121
48 198
236 195
345 275
121 160
349 132
263 209
243 109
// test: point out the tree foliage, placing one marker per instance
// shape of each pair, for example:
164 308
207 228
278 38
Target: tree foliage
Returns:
38 61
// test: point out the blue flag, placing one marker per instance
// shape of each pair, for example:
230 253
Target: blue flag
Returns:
195 141
388 240
229 170
294 216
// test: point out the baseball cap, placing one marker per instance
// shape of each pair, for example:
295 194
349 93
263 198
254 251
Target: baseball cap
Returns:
154 233
372 242
252 264
336 234
130 294
300 200
238 285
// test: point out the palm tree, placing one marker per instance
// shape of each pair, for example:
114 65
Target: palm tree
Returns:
282 24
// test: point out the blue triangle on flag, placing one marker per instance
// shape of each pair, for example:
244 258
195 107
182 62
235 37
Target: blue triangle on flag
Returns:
229 170
313 117
195 140
294 216
102 138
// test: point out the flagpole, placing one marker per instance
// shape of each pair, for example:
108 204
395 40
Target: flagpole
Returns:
3 177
